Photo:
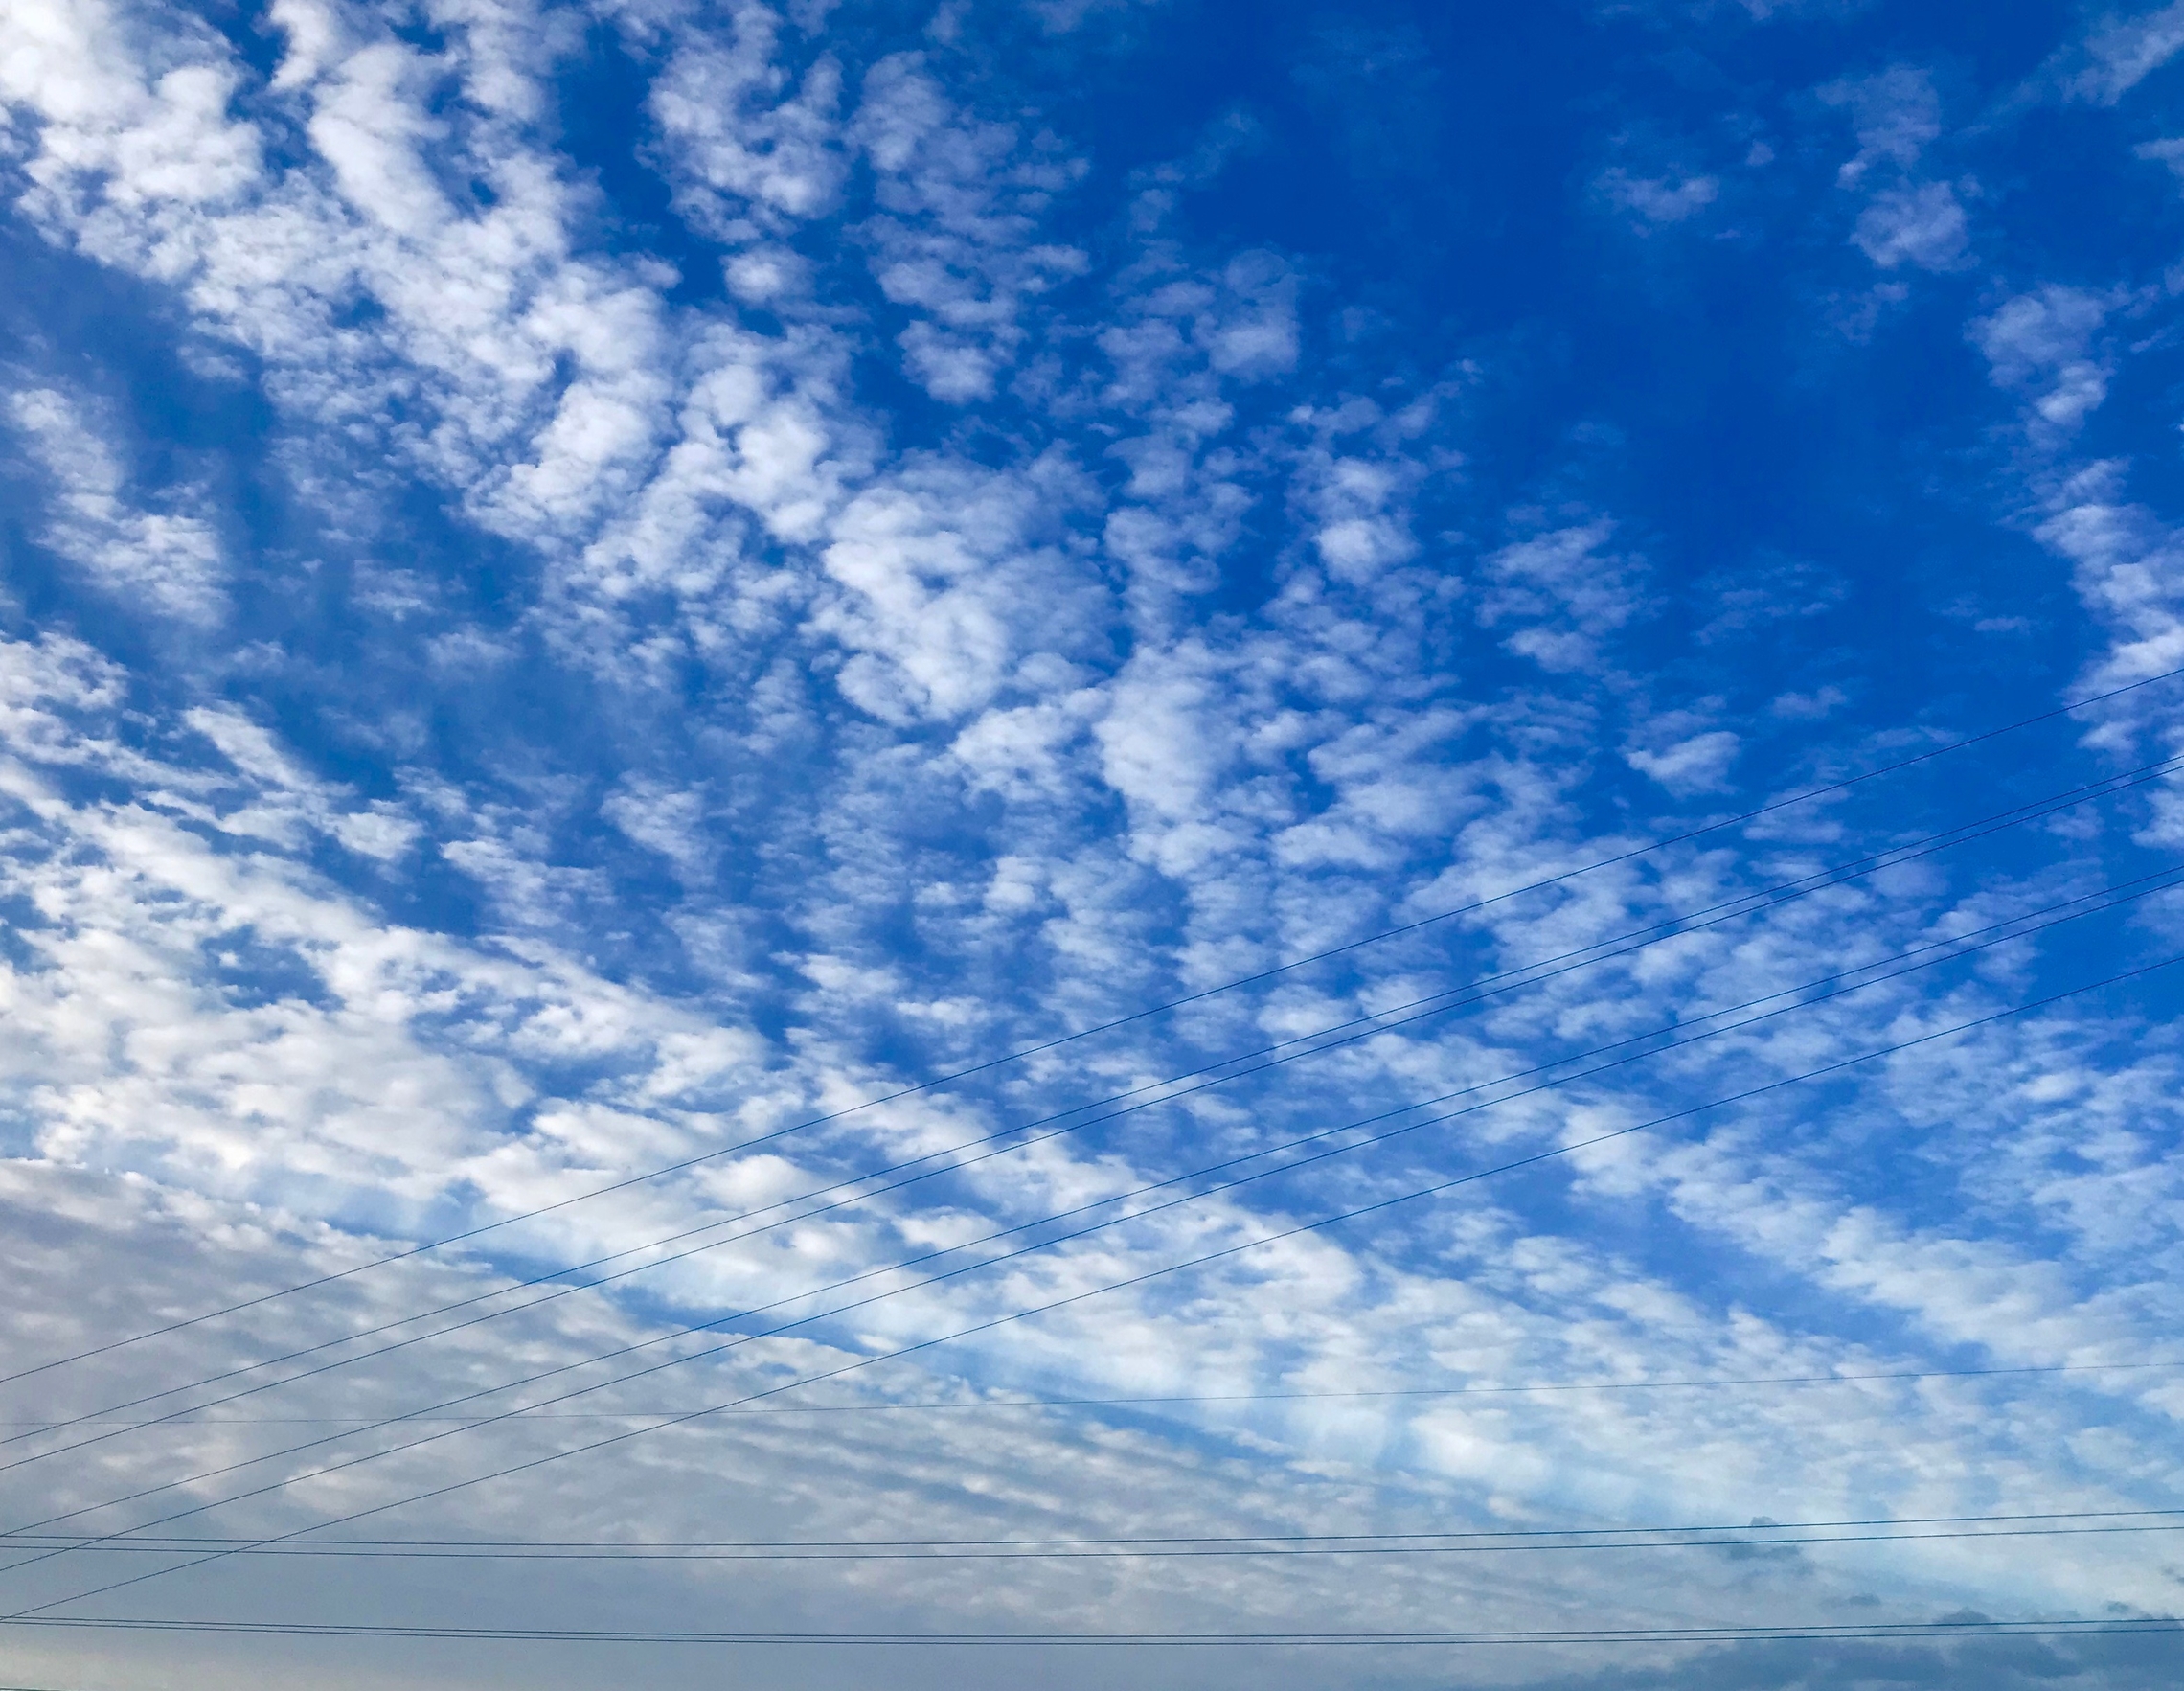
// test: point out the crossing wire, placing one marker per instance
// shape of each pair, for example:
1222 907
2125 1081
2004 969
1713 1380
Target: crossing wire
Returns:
1381 1022
1376 1208
1085 1033
1719 1535
1081 1210
1231 1397
1860 1632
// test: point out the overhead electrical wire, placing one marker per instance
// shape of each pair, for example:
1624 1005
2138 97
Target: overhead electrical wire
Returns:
1858 1631
1081 1210
1584 956
2164 877
1674 928
813 1294
1084 1033
1146 1400
1338 1218
1701 1535
1383 1021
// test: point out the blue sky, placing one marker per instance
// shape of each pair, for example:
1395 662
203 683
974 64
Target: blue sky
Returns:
588 583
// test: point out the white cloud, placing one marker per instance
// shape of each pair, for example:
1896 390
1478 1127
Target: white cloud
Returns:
956 238
766 275
754 146
1362 528
1659 199
1810 706
2129 568
1922 226
172 561
877 1475
2122 52
289 800
668 821
1761 591
2170 152
46 688
1698 764
951 587
2043 344
1564 592
153 134
945 750
1896 115
480 301
1896 118
1252 332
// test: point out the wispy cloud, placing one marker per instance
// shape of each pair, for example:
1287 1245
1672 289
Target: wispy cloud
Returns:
171 560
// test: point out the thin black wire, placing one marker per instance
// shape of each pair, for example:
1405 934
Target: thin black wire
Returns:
1588 956
1338 1218
1047 1221
1961 952
1534 974
1712 1535
1087 1032
1864 1632
1275 1553
1502 1532
1237 1397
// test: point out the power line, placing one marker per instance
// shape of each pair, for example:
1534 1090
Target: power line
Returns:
1236 1397
840 1371
1601 951
1532 973
1047 1221
1085 1033
1084 1209
1865 1631
310 1552
1756 1534
1498 1532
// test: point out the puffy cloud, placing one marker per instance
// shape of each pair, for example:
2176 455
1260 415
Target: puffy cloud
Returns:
1251 330
154 135
751 144
2128 565
474 301
1561 594
751 740
1698 764
955 240
1896 116
2043 343
1362 528
951 587
172 561
1923 226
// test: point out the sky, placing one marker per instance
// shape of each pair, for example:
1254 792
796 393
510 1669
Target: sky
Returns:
1385 789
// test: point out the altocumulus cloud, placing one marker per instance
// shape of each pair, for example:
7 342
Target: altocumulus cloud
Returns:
587 586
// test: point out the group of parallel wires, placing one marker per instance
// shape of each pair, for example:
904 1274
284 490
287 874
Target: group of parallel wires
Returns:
163 1539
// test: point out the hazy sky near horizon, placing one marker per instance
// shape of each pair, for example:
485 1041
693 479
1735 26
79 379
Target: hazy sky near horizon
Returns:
585 583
